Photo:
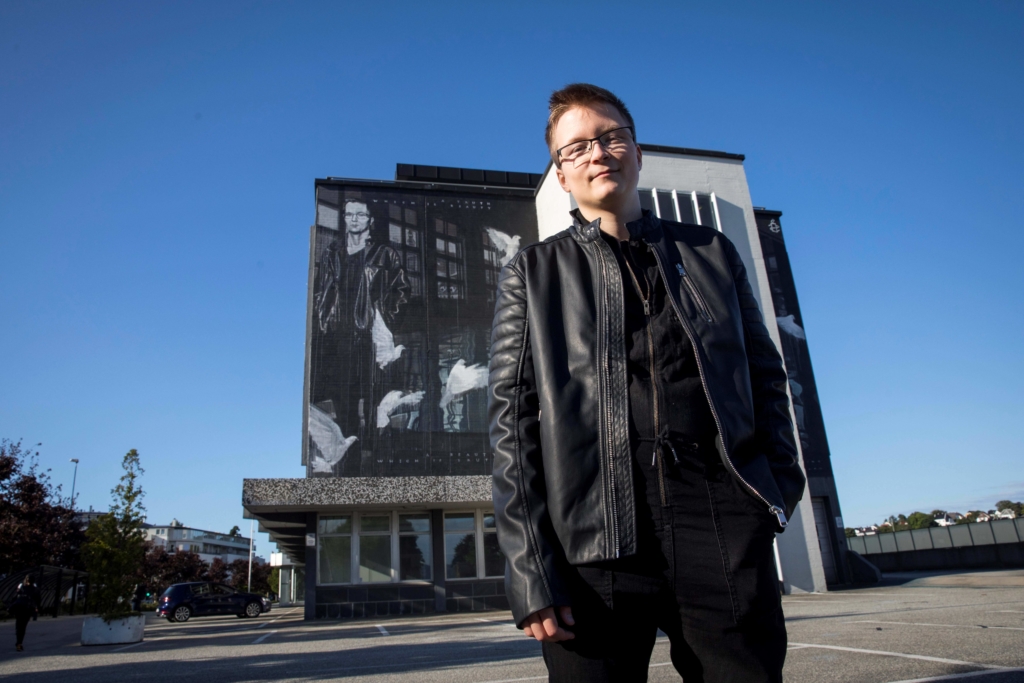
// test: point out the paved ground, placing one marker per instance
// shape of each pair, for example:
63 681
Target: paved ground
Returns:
920 627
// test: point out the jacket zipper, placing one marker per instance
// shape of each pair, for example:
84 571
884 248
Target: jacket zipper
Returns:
608 419
779 513
654 382
702 305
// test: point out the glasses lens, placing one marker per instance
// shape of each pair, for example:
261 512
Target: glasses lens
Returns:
362 215
576 149
616 140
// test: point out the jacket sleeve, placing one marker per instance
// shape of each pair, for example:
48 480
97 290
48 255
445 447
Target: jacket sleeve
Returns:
525 533
772 424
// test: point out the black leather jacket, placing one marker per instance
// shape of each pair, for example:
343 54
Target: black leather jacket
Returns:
558 398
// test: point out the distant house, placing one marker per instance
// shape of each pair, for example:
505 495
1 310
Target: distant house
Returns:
949 519
979 516
176 537
1005 514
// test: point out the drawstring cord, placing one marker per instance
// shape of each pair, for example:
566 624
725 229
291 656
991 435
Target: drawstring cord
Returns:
662 440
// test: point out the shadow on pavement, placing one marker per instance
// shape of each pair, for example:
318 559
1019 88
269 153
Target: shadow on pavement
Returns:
384 657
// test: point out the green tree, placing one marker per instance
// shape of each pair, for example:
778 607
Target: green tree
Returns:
850 533
274 580
1017 507
115 550
920 520
234 531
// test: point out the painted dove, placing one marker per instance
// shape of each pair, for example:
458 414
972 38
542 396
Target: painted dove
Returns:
463 378
506 244
327 437
787 324
391 401
384 349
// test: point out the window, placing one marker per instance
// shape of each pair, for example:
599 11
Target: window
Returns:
407 239
685 207
494 561
335 536
374 548
449 270
492 267
414 547
471 546
378 547
460 545
387 547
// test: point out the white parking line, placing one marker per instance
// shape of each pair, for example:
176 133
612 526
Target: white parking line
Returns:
954 677
267 622
263 637
544 677
917 623
383 631
902 655
128 647
498 623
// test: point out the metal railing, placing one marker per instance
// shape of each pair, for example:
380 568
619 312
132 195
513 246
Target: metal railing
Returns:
937 537
61 590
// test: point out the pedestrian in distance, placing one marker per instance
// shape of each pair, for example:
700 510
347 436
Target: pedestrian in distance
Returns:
24 606
644 456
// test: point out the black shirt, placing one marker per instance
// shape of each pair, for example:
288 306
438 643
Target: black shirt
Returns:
666 395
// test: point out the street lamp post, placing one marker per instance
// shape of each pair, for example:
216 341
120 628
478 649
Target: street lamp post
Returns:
74 479
248 584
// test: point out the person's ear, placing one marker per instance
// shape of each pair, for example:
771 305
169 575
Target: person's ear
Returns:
561 180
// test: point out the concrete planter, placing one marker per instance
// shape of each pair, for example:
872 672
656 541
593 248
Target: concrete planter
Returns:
95 631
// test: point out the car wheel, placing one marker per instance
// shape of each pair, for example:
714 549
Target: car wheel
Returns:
253 609
182 614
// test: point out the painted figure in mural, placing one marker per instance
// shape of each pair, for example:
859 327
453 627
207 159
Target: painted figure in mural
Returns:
644 457
358 297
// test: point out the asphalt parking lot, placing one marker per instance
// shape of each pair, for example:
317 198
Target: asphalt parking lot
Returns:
914 628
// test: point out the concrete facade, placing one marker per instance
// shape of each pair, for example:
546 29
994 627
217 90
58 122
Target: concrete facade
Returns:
722 178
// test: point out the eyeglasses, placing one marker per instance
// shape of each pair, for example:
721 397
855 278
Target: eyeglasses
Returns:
359 215
613 141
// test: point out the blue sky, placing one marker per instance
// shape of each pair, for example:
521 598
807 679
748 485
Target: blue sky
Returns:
156 188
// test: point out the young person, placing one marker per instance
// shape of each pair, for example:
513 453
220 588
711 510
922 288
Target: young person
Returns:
644 456
24 606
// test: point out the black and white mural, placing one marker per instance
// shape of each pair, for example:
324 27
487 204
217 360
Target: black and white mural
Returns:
403 284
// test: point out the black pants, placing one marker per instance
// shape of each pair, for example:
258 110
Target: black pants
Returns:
20 623
705 576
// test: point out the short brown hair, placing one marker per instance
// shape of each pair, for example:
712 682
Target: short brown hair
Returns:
580 95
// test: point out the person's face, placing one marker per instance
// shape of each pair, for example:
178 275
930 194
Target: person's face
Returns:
357 217
603 180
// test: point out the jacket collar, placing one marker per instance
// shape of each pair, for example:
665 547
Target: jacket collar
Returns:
585 231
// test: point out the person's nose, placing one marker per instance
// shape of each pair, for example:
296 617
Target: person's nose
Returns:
595 145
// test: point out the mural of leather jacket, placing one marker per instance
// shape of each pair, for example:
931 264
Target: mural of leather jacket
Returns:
381 285
559 399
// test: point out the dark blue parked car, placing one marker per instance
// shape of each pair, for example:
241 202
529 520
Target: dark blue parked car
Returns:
182 601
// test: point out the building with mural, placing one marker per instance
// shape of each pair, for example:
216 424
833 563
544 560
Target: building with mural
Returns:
394 514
